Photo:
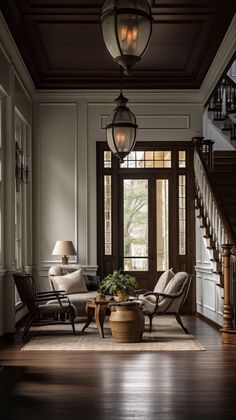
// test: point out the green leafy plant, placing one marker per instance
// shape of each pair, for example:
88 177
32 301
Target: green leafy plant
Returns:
117 282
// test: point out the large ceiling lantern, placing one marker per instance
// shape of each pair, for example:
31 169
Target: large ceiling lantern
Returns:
121 129
126 30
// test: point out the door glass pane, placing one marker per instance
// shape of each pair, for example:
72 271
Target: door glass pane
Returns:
107 215
182 214
182 159
107 159
135 224
162 214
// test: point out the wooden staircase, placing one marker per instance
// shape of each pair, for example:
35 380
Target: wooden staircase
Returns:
215 175
224 179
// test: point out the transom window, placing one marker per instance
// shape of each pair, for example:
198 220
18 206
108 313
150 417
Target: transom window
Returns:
148 159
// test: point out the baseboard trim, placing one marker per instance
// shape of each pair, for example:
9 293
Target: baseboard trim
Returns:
209 321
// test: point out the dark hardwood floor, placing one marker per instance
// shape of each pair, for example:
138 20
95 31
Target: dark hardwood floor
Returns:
162 385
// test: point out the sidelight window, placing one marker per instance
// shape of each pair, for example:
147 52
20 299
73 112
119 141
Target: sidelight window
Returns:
162 219
107 215
182 214
135 224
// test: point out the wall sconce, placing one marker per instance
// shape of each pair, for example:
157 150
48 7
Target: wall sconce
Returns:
21 167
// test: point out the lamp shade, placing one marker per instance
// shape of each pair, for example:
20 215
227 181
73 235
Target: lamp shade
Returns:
126 30
64 248
121 129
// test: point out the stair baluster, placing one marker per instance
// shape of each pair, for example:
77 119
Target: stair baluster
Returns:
223 105
222 239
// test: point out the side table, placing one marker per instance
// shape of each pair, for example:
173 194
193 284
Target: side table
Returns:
126 321
96 309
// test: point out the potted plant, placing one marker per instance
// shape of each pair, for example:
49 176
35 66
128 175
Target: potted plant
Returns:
121 285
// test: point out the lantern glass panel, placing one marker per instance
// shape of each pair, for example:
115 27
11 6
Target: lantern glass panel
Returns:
109 36
124 115
110 141
133 33
124 138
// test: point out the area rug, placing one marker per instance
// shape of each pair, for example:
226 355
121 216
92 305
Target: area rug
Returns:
166 335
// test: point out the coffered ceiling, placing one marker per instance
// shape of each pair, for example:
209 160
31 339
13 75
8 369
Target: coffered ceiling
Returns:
62 46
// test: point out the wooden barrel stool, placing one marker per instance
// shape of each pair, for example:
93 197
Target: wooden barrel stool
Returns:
127 322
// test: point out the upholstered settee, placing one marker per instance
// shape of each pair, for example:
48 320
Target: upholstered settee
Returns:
76 283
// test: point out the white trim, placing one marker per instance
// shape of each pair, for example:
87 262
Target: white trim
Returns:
102 97
221 61
13 55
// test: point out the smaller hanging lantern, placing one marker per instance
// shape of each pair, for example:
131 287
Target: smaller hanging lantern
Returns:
126 30
121 129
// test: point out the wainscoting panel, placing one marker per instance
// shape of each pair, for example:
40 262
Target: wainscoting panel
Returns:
198 290
209 298
57 177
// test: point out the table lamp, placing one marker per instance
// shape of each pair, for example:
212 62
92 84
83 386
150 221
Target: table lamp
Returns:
64 248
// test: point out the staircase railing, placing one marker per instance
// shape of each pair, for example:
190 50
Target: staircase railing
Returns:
210 202
218 229
223 104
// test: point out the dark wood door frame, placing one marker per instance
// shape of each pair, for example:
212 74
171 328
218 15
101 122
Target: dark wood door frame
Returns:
178 262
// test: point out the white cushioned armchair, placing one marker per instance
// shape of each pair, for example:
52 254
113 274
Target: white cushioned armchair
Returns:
168 296
75 282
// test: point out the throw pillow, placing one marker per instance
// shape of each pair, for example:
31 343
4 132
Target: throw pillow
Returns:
163 281
68 270
71 282
174 286
92 282
60 269
55 270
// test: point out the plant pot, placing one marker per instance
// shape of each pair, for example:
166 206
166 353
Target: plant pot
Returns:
121 297
127 322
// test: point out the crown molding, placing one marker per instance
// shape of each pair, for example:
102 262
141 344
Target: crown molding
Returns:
108 96
14 57
221 61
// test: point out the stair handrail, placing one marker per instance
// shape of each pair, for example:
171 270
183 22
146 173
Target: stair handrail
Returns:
230 80
211 204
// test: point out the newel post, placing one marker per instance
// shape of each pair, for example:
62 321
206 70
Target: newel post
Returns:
228 334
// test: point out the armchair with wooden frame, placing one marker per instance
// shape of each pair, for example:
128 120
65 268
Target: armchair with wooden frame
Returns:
169 301
40 312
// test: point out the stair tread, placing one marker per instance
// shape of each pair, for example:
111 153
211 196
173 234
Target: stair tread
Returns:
225 153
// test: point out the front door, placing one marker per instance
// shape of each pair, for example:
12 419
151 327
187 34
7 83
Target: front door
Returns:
146 211
144 225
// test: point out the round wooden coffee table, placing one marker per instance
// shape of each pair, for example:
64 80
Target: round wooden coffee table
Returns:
96 309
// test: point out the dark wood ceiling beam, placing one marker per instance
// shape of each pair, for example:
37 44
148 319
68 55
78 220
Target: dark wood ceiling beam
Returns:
61 43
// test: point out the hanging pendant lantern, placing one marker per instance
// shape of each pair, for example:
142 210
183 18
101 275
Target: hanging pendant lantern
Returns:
126 29
121 129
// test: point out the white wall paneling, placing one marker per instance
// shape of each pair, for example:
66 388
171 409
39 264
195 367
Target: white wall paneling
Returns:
209 295
56 188
13 79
